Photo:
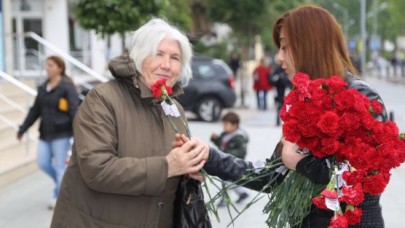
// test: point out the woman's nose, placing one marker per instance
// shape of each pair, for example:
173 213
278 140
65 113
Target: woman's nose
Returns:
280 56
166 63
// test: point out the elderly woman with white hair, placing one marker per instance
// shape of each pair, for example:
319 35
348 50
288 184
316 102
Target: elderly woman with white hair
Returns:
123 171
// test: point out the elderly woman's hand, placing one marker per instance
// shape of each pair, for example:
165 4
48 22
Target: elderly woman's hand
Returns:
180 140
290 155
188 158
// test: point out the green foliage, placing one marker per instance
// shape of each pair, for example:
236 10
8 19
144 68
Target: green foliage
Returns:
392 20
107 17
246 17
178 12
250 18
218 51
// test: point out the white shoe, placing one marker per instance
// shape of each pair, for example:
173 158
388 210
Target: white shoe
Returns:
52 204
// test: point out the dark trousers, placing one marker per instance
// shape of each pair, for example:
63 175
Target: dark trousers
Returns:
261 96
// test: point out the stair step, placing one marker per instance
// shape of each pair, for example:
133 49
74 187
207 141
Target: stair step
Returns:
17 171
21 98
7 132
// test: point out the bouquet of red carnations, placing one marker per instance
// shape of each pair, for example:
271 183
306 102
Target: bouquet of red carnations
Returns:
329 120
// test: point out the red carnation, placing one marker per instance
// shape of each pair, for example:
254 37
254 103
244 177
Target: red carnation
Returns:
312 144
338 221
160 90
331 194
350 121
301 82
354 177
291 132
330 146
376 107
319 202
336 83
353 215
329 123
376 184
353 195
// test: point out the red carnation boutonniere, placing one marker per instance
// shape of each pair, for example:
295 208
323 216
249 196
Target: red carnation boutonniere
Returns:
162 91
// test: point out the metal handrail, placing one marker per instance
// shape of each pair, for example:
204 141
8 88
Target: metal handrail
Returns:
13 103
66 56
18 83
22 86
9 122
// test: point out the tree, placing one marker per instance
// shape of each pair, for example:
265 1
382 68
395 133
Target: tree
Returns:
107 17
178 12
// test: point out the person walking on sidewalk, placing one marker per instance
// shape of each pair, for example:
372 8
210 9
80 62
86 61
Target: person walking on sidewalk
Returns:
56 104
279 79
233 140
261 83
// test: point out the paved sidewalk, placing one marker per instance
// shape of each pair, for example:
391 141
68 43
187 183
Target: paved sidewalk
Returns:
23 204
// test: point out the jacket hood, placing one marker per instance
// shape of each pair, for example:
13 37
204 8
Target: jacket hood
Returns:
122 67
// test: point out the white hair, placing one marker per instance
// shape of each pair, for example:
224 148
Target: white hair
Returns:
144 43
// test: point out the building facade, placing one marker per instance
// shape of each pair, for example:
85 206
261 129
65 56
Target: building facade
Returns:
54 21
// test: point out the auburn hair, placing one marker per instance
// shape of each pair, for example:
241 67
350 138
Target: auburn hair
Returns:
315 41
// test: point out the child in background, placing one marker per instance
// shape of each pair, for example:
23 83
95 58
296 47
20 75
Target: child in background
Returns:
233 140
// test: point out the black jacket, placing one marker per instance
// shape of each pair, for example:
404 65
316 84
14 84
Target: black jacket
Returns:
315 169
56 117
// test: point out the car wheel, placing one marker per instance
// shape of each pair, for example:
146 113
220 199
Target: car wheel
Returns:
209 109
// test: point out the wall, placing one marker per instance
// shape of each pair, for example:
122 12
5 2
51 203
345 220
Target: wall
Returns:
55 24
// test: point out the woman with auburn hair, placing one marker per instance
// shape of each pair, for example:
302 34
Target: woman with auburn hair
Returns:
310 41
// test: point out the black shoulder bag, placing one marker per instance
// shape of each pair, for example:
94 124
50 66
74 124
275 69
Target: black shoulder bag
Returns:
189 207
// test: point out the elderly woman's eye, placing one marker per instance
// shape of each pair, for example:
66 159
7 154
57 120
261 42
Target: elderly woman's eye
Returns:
176 58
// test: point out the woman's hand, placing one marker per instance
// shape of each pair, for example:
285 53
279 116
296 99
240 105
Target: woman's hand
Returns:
180 141
19 136
290 155
187 158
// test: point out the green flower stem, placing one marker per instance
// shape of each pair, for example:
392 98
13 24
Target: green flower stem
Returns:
291 201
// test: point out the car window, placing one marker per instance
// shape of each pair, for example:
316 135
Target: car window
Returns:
209 69
204 70
223 67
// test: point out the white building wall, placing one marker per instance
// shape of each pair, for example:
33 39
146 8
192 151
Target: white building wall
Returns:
98 53
116 46
55 24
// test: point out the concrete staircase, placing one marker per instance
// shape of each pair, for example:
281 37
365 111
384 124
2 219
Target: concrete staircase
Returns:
16 158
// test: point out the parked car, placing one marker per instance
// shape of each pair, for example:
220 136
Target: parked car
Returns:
211 89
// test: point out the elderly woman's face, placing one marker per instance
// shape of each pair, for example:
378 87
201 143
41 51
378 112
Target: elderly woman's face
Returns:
284 56
166 64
